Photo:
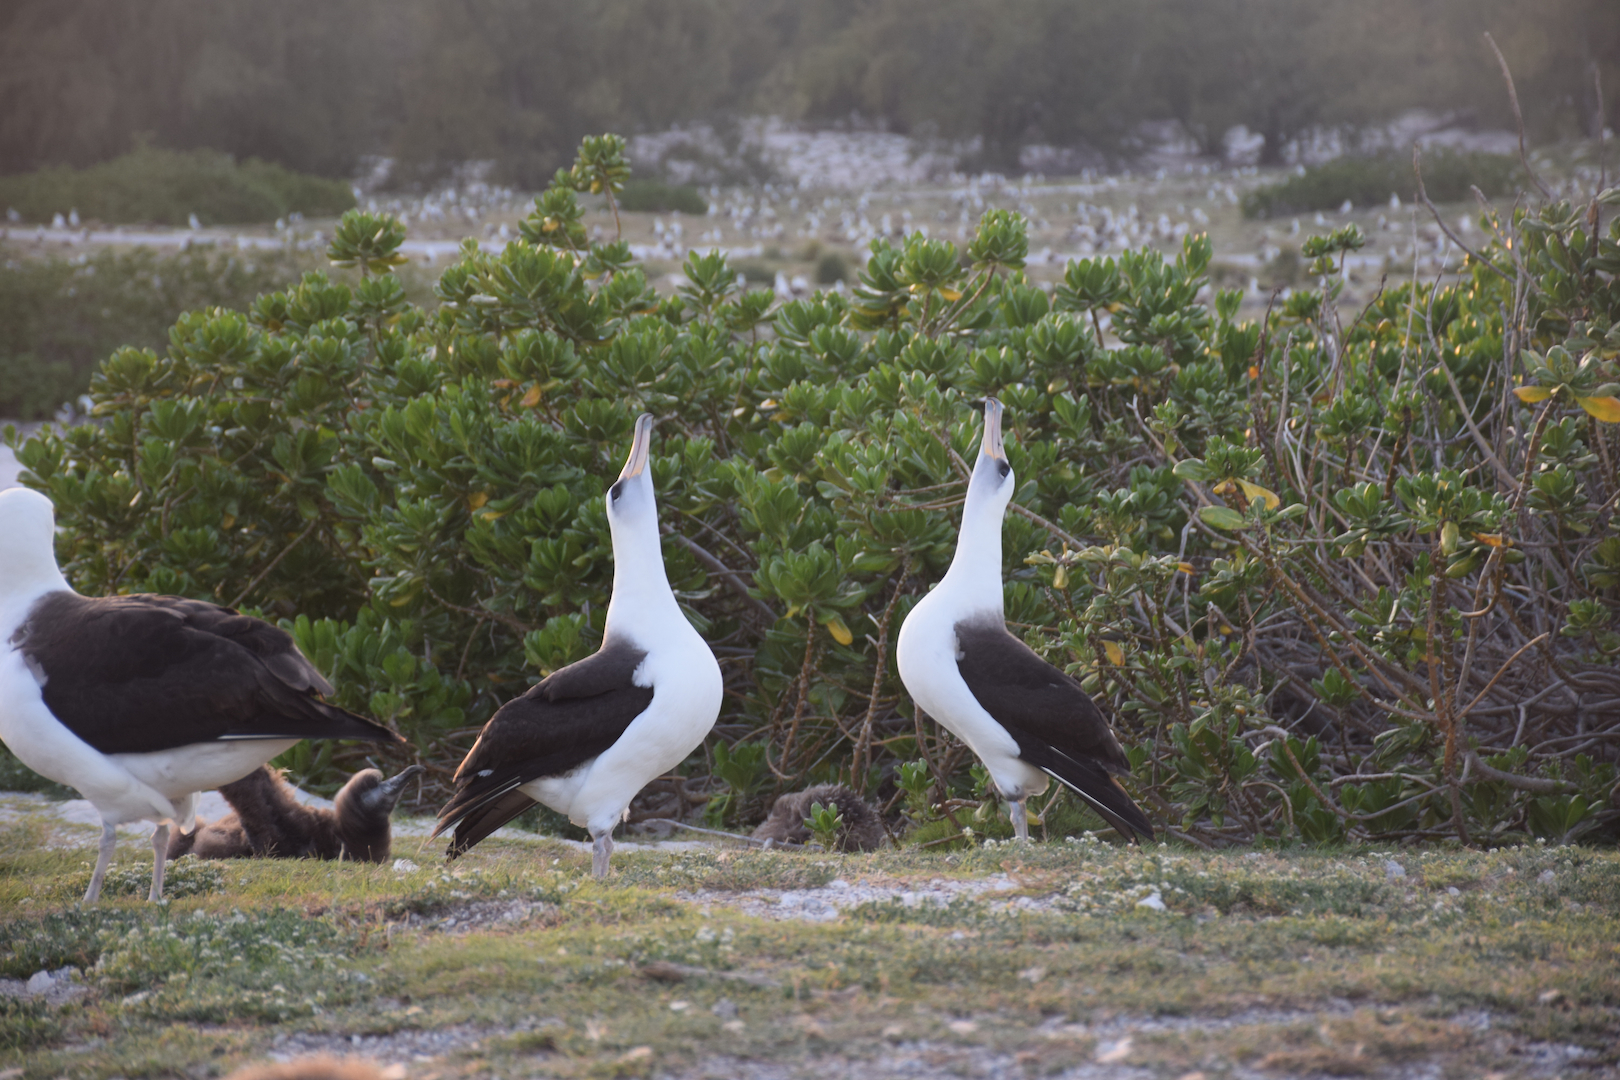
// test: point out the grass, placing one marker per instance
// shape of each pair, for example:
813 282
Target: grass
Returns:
166 187
1283 961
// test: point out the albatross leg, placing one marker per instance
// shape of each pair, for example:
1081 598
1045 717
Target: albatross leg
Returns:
160 851
1020 819
109 842
601 852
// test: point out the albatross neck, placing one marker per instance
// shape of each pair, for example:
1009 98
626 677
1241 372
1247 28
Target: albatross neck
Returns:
25 576
974 579
641 592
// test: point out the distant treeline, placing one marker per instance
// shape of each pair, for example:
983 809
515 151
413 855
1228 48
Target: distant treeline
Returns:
316 84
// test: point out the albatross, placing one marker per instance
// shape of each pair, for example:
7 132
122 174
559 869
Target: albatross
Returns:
1025 719
589 736
142 701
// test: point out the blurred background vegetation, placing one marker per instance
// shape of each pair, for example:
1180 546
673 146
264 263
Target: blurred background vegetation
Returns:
315 87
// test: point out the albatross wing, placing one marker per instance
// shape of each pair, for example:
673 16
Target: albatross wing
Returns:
138 674
1057 726
573 715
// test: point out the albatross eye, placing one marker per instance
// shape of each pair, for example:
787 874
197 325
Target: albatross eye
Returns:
1004 467
616 490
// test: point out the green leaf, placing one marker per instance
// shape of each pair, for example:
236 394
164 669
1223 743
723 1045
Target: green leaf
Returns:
1191 469
1222 517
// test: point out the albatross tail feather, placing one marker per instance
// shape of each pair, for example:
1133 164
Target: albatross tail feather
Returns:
475 822
481 805
1092 783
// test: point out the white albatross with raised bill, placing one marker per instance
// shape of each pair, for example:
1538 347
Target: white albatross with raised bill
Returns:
142 701
586 738
1025 719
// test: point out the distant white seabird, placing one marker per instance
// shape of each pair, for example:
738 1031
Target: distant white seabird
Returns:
1025 719
589 736
142 701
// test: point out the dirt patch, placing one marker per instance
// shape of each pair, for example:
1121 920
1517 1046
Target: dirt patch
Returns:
831 900
52 987
481 915
914 1061
406 1045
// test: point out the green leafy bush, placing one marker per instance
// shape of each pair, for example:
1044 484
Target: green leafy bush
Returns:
1370 181
166 187
658 197
59 317
831 268
1302 573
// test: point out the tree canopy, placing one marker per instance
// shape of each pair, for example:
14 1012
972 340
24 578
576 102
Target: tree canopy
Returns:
314 86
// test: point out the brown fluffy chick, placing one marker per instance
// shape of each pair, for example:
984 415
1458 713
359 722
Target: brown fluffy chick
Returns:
270 822
862 829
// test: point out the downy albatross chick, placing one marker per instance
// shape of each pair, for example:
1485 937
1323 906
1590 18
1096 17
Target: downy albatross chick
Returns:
1025 719
268 822
142 701
589 736
862 829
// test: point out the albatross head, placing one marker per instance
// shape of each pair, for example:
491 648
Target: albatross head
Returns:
27 546
630 505
638 558
993 483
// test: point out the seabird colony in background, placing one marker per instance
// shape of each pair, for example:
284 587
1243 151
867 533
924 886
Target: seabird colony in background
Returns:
589 736
140 702
1025 719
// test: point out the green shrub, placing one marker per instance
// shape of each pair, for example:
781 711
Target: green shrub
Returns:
655 196
166 187
1278 553
59 318
1370 181
831 268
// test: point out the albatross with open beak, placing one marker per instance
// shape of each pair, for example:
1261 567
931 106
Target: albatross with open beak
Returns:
1025 719
589 736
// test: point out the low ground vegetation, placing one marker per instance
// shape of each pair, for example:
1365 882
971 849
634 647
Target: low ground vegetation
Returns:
149 186
1337 575
658 197
61 317
1448 176
1290 962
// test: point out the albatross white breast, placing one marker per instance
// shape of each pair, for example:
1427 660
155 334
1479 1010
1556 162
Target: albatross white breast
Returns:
1025 719
142 701
589 736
